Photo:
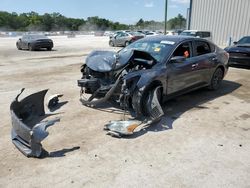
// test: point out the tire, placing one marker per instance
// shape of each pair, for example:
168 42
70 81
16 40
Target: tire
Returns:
127 43
18 47
216 79
139 103
49 48
111 43
30 47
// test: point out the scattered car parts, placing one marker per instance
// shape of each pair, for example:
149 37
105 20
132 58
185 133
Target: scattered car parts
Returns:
121 128
53 101
28 129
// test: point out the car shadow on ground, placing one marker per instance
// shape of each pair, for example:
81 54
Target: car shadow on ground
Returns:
40 50
173 109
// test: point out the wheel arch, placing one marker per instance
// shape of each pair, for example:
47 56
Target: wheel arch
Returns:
222 68
141 95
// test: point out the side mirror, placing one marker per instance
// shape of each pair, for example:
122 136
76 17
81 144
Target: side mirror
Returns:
177 59
235 42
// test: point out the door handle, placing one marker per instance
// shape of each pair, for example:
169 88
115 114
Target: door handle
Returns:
194 65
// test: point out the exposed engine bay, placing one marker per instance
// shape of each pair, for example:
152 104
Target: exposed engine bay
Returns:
110 76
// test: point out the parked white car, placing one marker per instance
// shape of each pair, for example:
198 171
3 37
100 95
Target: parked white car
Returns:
197 33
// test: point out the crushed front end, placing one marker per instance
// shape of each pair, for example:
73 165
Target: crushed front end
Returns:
111 76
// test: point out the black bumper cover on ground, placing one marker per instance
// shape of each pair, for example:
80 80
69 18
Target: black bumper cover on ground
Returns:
27 128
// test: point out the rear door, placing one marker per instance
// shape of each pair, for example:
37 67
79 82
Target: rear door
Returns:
183 75
121 39
204 57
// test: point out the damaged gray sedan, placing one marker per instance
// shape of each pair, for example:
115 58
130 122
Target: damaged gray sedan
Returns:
151 70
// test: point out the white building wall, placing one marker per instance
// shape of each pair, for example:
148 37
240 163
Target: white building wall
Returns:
224 18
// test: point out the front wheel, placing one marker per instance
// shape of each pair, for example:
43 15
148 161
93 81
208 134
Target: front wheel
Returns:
216 79
149 103
111 43
127 43
49 48
30 47
18 46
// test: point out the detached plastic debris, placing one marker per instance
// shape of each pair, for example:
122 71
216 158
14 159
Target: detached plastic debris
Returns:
53 101
121 128
153 106
28 131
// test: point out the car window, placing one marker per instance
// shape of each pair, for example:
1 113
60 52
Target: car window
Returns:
119 35
206 34
122 34
212 47
202 48
189 33
244 40
158 49
183 50
199 34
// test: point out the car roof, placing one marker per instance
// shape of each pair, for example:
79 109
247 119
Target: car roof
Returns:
195 31
173 38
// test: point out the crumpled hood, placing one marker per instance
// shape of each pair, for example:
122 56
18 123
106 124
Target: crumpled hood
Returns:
105 61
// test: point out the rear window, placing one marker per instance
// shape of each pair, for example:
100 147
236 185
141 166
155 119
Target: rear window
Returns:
188 33
206 34
38 37
202 48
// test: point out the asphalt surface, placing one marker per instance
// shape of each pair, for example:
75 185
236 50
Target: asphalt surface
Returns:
202 141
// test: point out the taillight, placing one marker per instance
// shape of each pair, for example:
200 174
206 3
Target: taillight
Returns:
227 55
133 38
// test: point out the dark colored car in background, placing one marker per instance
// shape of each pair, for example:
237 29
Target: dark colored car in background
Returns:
34 42
239 53
125 38
165 66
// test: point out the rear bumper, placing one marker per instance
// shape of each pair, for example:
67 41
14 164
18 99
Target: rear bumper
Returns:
43 45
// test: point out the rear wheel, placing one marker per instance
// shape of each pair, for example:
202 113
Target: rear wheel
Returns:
49 48
216 79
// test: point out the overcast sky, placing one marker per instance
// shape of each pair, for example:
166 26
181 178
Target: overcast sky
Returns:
126 11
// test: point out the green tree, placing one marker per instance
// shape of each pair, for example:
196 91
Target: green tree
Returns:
178 22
